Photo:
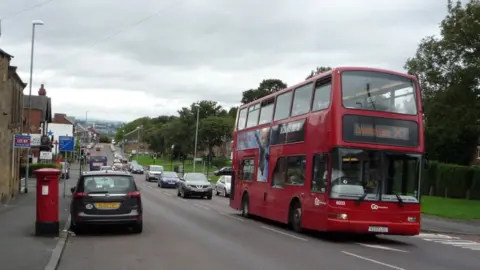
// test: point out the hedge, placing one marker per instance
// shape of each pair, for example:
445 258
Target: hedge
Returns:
451 181
36 166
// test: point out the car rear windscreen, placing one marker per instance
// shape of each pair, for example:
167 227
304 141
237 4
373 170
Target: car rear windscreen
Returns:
98 158
108 183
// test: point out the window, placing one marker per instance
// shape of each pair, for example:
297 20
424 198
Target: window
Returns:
242 119
369 90
321 96
302 99
266 111
280 173
296 170
282 109
247 169
320 168
253 112
110 183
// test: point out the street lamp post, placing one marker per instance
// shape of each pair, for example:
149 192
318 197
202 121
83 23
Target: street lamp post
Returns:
123 142
171 158
196 139
34 24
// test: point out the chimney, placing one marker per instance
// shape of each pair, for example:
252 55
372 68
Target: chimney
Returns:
42 91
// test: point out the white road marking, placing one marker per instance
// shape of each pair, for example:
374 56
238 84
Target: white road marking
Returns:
382 247
284 233
372 260
201 206
450 240
166 193
233 217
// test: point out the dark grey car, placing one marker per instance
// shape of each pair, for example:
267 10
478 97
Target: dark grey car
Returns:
106 198
194 185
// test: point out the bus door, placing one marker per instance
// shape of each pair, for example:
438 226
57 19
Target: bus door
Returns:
275 192
315 205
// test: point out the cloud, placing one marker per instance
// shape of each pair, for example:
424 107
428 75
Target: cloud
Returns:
120 60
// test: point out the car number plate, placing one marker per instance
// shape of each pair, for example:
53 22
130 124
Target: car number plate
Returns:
113 205
378 229
171 183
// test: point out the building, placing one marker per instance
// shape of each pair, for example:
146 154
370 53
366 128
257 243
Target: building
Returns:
11 118
61 118
40 114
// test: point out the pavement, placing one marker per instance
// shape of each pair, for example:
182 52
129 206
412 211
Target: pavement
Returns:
442 225
199 234
19 247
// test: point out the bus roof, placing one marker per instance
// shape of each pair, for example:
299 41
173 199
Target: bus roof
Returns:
323 74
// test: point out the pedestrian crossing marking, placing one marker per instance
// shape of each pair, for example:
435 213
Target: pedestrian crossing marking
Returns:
449 240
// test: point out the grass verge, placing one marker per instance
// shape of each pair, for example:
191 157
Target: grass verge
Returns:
451 208
168 166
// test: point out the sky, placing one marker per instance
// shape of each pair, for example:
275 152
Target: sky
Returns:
121 60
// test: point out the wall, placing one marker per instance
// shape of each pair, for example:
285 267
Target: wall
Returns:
11 106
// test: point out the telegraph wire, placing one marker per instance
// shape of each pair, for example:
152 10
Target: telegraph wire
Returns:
13 14
120 31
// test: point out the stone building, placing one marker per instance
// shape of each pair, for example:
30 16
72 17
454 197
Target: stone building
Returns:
11 118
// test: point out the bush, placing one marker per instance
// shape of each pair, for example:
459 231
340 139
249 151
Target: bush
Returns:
219 162
37 166
451 181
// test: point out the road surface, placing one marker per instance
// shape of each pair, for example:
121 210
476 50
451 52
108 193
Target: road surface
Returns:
197 234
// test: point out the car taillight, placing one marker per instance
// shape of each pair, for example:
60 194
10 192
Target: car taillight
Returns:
134 194
78 195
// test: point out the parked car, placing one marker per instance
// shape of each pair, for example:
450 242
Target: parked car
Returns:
223 185
153 172
194 185
224 171
168 179
106 198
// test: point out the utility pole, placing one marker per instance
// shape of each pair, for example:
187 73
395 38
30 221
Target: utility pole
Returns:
196 139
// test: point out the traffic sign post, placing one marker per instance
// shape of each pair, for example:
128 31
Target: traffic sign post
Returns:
66 143
22 141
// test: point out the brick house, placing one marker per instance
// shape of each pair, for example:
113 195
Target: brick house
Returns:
61 118
41 112
11 118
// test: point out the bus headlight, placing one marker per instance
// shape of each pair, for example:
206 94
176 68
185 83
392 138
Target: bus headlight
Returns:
412 219
341 216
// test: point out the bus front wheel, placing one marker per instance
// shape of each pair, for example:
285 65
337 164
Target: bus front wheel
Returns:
245 206
296 217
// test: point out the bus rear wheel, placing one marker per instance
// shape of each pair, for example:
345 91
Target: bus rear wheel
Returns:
296 218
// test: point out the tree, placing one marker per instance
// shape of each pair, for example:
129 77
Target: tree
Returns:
317 71
448 68
232 113
105 139
213 131
266 87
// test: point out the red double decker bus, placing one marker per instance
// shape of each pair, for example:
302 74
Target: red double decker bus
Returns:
342 151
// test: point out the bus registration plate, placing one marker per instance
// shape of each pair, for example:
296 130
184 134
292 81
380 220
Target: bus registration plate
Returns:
378 229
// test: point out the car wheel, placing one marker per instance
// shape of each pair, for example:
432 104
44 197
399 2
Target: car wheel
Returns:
209 197
216 192
137 228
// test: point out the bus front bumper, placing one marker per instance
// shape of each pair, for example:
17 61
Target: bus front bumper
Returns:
373 227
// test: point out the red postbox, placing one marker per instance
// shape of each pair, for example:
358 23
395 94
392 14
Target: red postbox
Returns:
47 222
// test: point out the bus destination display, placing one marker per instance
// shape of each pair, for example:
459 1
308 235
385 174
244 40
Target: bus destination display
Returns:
376 130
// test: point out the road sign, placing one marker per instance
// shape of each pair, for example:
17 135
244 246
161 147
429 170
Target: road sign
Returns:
66 143
46 155
21 141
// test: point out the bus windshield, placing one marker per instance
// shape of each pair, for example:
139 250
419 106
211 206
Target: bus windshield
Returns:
375 175
378 91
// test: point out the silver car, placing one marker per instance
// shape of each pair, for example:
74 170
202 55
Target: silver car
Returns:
223 185
153 172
